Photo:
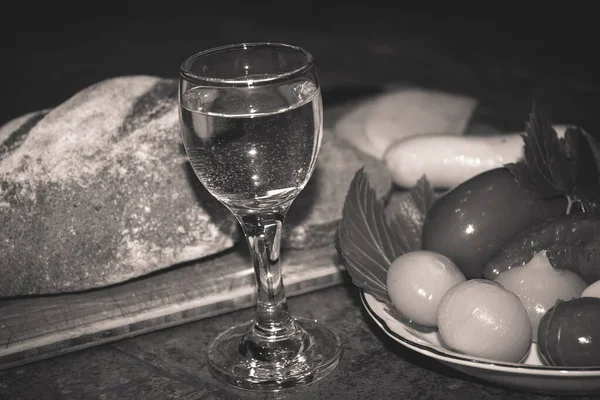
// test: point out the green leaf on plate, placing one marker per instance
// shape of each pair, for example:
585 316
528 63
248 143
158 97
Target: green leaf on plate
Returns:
369 240
553 166
423 195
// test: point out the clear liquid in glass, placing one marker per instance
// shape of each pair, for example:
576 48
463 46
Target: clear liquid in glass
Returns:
253 148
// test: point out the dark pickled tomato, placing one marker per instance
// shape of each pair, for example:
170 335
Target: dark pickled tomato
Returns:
473 221
569 333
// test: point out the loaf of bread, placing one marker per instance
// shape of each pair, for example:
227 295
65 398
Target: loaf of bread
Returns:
98 191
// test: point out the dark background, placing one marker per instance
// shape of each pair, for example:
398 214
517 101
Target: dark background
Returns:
506 57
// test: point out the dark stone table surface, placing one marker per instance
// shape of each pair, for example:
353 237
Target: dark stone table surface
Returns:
170 364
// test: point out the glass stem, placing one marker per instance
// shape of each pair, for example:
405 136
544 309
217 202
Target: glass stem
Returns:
263 233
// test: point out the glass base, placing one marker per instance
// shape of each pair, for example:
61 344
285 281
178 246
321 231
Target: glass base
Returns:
241 357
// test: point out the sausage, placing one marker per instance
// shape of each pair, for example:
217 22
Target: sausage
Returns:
448 160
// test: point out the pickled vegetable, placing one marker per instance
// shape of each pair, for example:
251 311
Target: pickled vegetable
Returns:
571 242
539 285
416 283
473 221
569 333
480 318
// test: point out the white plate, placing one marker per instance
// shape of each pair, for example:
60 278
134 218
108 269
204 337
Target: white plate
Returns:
531 375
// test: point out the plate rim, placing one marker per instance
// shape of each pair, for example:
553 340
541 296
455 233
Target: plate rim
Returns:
452 358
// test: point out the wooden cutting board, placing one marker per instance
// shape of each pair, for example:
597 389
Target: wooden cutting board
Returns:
44 326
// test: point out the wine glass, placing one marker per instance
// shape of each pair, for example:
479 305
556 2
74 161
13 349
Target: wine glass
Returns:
251 119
